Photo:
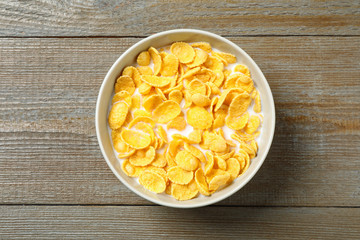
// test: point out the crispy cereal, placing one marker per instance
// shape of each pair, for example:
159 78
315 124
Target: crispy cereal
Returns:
122 95
177 123
184 192
133 73
118 114
239 105
145 88
218 180
200 180
135 139
170 65
257 105
179 176
176 95
233 168
156 81
209 162
125 83
142 157
156 60
183 51
228 57
145 70
131 170
159 161
200 58
143 58
135 102
214 96
152 181
202 45
199 118
200 100
141 113
195 152
252 124
186 161
243 69
196 135
151 102
237 123
166 111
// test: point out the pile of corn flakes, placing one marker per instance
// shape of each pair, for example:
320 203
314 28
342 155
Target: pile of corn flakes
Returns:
190 85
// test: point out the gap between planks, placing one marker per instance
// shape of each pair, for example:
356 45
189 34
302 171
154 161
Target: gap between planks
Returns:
225 36
155 205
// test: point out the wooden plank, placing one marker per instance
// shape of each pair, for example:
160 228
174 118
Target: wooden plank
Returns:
139 222
49 152
143 18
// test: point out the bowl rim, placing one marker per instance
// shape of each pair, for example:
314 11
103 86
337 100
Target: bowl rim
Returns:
209 201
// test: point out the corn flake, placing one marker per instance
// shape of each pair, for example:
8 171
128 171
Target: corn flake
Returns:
143 157
252 124
243 69
145 70
257 105
141 113
125 83
143 58
219 163
228 57
135 102
179 176
195 152
199 118
202 45
183 51
201 182
218 181
177 123
156 60
200 58
152 181
237 123
170 65
186 161
176 95
151 102
166 111
131 170
233 168
145 88
118 115
209 165
196 135
135 139
184 192
133 73
239 105
159 161
156 81
122 96
200 100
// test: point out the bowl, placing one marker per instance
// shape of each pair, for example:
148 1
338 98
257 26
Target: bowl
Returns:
159 40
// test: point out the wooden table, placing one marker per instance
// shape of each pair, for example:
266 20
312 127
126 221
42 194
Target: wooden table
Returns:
54 182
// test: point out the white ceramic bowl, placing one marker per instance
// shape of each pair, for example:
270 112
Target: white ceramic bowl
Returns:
159 40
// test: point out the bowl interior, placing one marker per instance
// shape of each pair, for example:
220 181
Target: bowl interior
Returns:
160 40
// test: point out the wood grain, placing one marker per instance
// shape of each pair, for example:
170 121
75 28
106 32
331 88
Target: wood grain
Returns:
119 222
49 153
142 18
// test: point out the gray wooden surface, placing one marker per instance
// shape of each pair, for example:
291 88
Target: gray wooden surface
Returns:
54 182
